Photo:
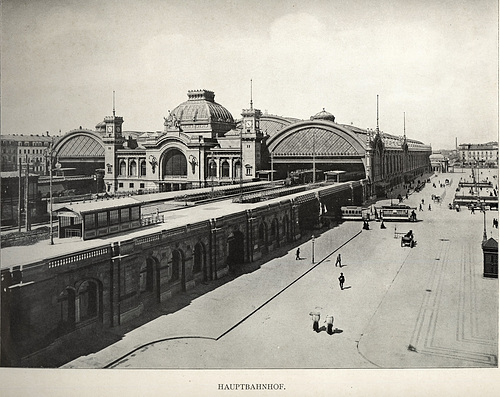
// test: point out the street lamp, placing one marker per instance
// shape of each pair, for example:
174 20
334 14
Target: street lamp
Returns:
51 151
312 240
483 208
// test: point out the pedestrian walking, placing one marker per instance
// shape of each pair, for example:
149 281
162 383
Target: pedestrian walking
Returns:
329 324
341 281
315 317
297 254
382 226
420 207
339 261
429 207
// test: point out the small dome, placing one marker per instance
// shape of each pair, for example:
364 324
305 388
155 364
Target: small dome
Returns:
323 115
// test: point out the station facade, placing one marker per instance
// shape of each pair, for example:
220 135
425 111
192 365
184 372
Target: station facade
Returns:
202 145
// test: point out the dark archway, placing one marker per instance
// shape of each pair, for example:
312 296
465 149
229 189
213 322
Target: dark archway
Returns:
236 250
178 268
275 232
199 260
89 301
67 300
174 163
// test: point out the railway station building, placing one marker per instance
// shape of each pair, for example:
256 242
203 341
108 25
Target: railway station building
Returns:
202 144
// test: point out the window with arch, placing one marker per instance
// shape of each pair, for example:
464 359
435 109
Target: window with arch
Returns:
262 232
225 169
66 301
88 300
132 168
146 276
143 167
198 258
212 168
123 168
176 265
237 169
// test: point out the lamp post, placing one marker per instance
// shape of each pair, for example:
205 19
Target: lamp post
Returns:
241 163
51 148
483 208
312 240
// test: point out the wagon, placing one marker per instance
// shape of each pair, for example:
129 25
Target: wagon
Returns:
407 240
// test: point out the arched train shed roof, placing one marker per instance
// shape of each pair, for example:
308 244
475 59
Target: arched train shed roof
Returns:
323 138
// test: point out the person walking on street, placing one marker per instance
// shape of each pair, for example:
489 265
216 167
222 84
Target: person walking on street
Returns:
341 281
297 254
339 261
429 207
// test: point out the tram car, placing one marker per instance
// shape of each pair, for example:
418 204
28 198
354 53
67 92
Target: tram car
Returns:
399 212
353 213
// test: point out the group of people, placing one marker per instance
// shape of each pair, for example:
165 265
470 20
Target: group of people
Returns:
315 315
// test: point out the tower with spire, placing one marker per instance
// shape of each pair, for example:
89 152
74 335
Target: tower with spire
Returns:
112 139
252 138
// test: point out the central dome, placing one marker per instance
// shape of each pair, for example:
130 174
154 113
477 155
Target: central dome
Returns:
200 111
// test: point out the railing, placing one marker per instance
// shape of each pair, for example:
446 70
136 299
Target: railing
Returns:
68 259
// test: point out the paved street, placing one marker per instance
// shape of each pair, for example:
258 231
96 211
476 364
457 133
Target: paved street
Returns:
422 307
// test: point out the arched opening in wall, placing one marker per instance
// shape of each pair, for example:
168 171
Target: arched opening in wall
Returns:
132 168
285 228
275 232
263 236
237 169
89 302
199 259
66 301
225 169
212 169
178 269
146 276
143 168
174 163
123 168
236 250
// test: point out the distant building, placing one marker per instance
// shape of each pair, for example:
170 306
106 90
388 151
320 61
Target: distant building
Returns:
481 154
439 163
27 148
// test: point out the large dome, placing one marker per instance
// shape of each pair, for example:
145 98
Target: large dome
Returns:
202 110
323 115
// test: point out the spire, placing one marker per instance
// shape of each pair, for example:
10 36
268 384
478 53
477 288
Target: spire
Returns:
377 116
404 125
113 103
251 97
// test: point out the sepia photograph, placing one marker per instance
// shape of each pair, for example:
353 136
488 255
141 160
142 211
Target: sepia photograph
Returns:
206 197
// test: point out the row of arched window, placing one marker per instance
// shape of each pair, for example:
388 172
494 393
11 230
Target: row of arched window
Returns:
132 168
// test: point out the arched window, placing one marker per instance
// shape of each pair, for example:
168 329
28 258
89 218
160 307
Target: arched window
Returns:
88 300
176 265
237 169
143 168
67 303
123 168
225 169
175 163
146 275
198 258
132 168
262 232
212 169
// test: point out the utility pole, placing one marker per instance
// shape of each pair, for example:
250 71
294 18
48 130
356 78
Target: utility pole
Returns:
50 192
27 196
19 197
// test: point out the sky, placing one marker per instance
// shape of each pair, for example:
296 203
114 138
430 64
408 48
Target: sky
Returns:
434 61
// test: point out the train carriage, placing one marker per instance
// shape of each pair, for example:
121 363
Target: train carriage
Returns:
402 213
354 213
